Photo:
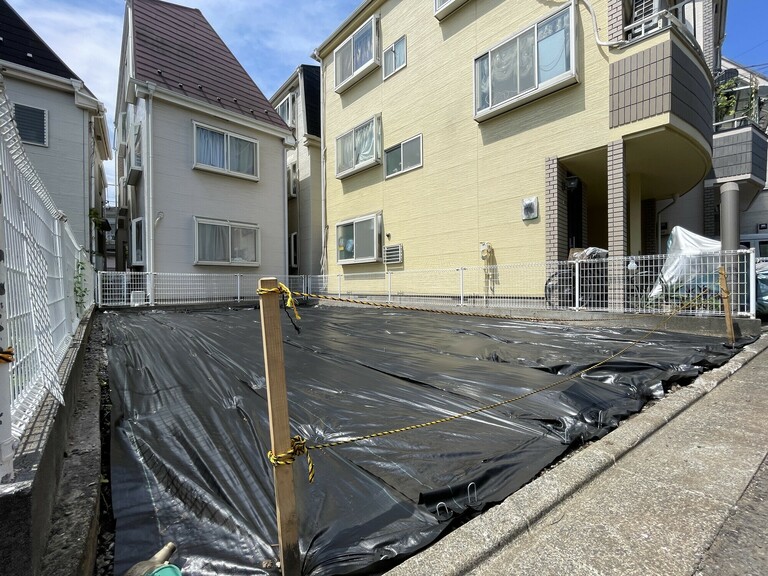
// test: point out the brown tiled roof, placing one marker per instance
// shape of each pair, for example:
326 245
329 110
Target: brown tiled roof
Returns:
176 48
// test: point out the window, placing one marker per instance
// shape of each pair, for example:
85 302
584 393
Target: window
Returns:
403 157
137 242
293 249
225 152
445 7
359 240
285 109
532 63
227 243
32 124
359 148
291 181
394 58
358 55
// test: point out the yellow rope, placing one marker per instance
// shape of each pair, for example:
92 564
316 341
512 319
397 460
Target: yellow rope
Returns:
6 356
282 289
299 444
298 448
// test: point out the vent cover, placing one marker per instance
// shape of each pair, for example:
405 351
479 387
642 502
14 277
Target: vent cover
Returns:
393 254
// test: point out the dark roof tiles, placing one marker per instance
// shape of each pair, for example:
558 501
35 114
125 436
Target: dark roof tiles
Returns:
176 48
22 46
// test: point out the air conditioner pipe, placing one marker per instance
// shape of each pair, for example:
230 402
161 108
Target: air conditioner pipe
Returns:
157 565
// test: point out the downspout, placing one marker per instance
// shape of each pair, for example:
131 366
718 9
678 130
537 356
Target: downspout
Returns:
323 202
91 155
149 194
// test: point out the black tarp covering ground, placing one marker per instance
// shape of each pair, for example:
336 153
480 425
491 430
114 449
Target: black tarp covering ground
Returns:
190 428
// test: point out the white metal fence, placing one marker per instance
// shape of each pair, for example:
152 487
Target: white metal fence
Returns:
48 286
658 284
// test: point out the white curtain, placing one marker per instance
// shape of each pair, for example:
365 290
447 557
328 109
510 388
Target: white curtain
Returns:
210 148
364 143
242 156
212 243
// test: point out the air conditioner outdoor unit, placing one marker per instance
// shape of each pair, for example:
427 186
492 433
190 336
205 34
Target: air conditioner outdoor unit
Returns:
393 254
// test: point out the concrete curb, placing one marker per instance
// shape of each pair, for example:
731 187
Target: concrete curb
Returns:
469 545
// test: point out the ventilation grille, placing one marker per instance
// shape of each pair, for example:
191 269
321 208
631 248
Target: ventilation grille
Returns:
393 254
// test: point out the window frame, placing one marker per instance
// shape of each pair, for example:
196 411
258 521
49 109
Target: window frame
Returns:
290 99
447 8
391 47
539 89
293 250
377 239
291 181
400 145
229 224
137 223
367 66
376 160
197 165
45 142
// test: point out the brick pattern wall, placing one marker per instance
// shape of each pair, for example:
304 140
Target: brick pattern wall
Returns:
711 200
660 79
709 38
556 211
618 200
640 85
615 20
742 153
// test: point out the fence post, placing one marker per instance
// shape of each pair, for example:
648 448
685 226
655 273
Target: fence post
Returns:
6 431
238 287
151 287
726 296
752 284
461 286
338 276
279 427
389 287
577 288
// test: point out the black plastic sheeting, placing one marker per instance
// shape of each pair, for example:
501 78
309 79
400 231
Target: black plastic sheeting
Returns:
190 427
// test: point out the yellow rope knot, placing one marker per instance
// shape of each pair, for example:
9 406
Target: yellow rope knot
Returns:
6 356
298 448
282 289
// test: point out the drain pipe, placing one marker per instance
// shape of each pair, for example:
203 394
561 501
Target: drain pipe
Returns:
323 200
150 247
675 198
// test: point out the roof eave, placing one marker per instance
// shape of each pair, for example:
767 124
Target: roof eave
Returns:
144 89
330 43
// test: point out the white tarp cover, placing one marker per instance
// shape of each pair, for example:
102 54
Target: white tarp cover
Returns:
680 269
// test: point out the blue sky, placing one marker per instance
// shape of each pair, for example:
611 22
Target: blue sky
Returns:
272 37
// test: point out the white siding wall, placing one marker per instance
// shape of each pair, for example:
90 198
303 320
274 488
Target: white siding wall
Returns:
181 192
62 165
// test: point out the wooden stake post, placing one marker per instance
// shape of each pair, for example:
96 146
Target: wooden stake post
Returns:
726 295
279 430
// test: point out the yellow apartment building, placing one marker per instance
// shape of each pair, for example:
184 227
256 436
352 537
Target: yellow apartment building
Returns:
462 132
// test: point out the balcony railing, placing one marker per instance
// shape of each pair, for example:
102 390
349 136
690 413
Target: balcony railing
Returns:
649 17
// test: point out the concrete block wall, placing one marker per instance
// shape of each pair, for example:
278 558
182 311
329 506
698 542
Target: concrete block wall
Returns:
615 20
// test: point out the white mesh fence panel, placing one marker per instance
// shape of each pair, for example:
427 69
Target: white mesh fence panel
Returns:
42 270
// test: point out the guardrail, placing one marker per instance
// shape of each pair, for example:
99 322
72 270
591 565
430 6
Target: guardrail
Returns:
48 285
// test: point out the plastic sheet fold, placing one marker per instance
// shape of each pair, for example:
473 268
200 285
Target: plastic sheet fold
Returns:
190 427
